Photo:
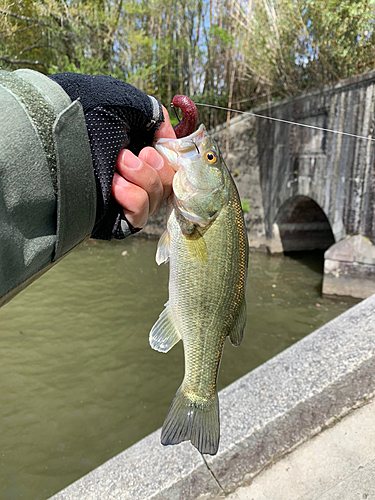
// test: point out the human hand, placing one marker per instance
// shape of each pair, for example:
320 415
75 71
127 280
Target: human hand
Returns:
143 182
118 116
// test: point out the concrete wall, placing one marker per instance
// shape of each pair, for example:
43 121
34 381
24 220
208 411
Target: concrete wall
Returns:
307 188
290 163
335 171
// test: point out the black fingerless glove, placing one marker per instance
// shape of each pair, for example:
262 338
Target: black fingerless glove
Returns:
117 116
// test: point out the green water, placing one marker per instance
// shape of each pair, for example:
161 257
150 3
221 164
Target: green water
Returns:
78 380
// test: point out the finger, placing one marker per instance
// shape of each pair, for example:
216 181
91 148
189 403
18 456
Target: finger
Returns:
150 156
138 172
133 199
165 130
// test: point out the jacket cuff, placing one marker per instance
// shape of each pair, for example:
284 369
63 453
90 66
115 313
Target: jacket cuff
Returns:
74 181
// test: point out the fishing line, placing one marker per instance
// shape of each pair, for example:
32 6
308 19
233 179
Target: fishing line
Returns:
286 121
212 473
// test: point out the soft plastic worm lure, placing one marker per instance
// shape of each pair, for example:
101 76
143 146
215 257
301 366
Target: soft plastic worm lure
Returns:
189 116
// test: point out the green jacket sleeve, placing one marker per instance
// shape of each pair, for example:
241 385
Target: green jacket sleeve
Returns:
47 185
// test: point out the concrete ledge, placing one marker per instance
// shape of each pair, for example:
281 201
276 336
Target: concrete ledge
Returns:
263 415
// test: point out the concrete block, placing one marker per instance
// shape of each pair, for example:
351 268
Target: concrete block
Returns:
275 245
349 268
353 249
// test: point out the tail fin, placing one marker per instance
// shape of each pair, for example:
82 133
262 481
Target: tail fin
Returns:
188 421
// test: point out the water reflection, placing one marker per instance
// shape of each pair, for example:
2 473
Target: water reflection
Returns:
78 380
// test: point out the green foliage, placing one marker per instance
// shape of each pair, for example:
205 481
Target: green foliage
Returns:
209 116
222 35
341 37
245 205
294 45
229 53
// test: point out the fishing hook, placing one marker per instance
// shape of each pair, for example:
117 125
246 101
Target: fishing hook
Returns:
196 147
175 112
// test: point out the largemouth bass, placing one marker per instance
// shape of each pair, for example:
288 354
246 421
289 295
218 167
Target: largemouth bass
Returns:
207 248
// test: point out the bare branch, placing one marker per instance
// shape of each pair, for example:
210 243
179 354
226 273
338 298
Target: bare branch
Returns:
20 29
19 16
25 18
21 61
32 47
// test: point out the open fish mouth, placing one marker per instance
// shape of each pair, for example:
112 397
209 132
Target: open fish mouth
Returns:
176 151
192 142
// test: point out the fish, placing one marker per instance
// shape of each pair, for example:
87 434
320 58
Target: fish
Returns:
207 248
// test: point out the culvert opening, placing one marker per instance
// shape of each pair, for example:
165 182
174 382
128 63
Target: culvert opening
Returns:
303 226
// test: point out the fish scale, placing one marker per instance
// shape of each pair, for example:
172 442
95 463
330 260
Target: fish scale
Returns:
206 245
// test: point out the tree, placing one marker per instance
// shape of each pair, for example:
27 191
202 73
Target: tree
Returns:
340 38
56 36
236 53
294 45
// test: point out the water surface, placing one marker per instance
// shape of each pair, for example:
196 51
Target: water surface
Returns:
78 380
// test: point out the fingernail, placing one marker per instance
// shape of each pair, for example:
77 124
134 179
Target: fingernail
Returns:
154 160
131 161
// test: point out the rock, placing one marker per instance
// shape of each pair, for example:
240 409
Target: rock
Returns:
349 268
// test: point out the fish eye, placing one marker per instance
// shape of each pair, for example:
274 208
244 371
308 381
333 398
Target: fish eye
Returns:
211 157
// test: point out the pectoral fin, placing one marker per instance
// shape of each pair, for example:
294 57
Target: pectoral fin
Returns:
162 252
196 246
164 334
236 334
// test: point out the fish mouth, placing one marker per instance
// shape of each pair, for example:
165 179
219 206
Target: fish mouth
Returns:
184 148
191 142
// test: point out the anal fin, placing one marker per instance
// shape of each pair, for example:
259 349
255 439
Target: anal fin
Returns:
164 334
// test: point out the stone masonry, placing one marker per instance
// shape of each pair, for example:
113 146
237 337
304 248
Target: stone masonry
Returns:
305 188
